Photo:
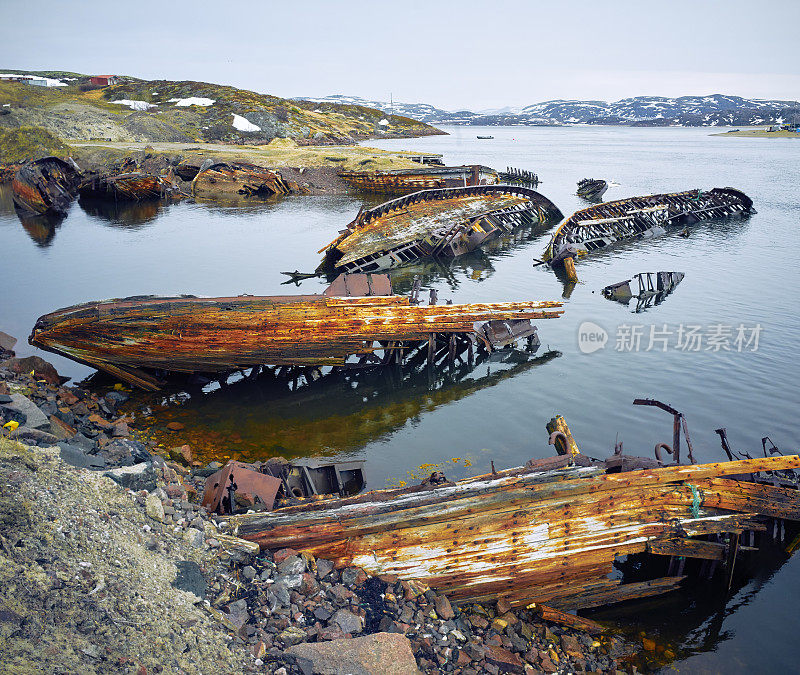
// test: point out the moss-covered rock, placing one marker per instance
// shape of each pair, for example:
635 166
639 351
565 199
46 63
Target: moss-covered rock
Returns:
23 143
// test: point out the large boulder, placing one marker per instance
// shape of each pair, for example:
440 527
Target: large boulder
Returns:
42 370
378 654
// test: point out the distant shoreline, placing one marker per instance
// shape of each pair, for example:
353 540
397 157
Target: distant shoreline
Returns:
758 133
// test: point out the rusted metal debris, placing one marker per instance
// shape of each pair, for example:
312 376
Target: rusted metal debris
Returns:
512 175
132 186
592 188
133 337
239 179
651 288
8 171
45 186
549 532
600 225
405 181
443 222
238 486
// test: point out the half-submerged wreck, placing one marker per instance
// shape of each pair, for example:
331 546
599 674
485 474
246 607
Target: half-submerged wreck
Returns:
135 339
598 226
445 222
46 186
651 288
551 531
235 180
405 181
591 188
133 187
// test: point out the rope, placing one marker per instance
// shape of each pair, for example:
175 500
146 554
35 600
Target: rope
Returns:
695 501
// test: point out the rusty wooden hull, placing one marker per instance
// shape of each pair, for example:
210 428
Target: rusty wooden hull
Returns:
601 225
236 180
441 222
533 534
133 187
211 335
405 181
46 186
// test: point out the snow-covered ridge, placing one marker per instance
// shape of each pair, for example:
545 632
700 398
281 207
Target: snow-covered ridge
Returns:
192 100
135 105
710 110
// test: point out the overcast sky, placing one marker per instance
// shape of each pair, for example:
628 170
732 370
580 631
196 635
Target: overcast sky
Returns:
454 55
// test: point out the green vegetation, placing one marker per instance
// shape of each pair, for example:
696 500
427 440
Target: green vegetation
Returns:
29 143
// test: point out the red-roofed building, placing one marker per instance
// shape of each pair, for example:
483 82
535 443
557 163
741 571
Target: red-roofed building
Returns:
104 80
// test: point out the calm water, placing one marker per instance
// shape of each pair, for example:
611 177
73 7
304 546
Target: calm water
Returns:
738 272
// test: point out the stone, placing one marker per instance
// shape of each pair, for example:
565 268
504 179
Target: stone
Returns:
7 342
33 436
120 430
292 565
347 621
280 555
571 647
60 429
75 456
504 660
324 568
154 507
126 451
34 418
499 624
648 645
292 636
443 608
353 576
249 572
175 426
190 578
182 454
503 606
138 477
383 653
322 614
237 614
194 537
42 370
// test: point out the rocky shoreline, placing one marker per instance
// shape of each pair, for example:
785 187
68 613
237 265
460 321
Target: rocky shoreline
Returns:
109 564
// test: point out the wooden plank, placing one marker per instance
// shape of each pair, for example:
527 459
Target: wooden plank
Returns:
689 548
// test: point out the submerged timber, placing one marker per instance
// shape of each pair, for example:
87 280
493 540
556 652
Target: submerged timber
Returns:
641 217
133 187
548 532
405 181
444 222
134 338
46 186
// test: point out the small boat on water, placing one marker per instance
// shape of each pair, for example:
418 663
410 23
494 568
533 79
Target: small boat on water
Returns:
406 181
134 339
603 224
591 188
485 138
132 186
444 222
553 531
46 186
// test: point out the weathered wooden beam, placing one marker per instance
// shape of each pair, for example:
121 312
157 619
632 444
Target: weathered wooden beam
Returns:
689 548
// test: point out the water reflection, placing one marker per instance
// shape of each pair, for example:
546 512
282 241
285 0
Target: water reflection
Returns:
342 411
41 229
124 214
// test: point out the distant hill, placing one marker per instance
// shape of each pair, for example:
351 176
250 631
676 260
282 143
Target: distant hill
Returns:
712 110
164 110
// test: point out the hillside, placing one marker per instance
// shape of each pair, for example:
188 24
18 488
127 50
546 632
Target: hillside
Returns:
712 110
167 111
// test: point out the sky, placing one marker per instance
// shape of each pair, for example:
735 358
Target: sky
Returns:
454 55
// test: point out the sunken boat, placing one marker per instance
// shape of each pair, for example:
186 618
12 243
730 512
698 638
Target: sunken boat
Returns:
446 222
138 339
237 179
591 188
555 531
45 186
600 225
405 181
129 187
651 288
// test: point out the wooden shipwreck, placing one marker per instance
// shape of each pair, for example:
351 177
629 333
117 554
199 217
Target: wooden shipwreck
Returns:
600 225
591 188
443 222
135 338
46 186
133 186
405 181
549 532
235 180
